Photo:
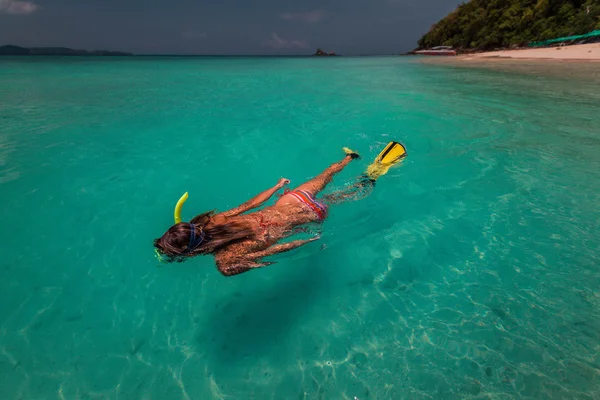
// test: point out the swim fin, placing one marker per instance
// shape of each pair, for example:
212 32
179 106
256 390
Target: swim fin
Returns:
393 153
351 153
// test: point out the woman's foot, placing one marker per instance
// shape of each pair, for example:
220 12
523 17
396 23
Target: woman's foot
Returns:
351 153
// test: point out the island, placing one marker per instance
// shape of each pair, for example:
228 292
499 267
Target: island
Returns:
322 53
11 50
483 25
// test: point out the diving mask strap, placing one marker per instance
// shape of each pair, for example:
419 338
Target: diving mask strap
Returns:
195 241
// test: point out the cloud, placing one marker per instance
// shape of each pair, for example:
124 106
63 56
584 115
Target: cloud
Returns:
18 7
311 17
276 42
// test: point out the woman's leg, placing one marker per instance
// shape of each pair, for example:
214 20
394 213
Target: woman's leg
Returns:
360 189
319 182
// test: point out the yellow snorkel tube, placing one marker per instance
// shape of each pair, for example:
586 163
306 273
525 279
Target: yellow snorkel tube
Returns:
177 217
392 154
178 206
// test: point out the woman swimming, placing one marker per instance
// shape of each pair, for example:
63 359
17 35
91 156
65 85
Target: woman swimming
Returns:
239 241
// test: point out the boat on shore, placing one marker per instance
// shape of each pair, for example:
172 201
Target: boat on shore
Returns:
437 51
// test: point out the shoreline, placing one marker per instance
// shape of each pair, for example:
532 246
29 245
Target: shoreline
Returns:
579 62
578 53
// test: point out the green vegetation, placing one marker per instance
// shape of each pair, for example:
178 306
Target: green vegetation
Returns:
488 24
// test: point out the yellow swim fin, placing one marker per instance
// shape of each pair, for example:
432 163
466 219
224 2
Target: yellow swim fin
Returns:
390 155
351 152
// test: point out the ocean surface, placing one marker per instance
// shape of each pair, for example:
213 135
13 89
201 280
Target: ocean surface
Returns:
471 271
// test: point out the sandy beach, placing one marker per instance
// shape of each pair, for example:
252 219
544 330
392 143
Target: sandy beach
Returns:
583 52
578 61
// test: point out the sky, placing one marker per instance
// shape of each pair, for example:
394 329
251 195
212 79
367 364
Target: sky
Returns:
237 27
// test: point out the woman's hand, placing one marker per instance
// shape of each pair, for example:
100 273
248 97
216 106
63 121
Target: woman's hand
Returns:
283 182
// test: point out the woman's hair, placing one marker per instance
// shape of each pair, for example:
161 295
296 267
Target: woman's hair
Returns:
200 236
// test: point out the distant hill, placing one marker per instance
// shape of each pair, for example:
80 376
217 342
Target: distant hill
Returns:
10 50
489 24
13 50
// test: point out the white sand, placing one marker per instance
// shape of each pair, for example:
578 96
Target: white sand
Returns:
577 52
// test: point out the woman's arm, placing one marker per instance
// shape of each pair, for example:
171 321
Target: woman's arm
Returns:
279 248
255 201
229 266
238 266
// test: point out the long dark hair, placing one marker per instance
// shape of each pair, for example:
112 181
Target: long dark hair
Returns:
200 236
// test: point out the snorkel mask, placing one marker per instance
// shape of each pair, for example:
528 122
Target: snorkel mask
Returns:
195 240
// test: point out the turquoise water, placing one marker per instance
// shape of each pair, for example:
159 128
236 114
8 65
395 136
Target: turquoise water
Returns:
471 271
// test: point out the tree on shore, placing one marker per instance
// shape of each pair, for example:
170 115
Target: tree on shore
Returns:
488 24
